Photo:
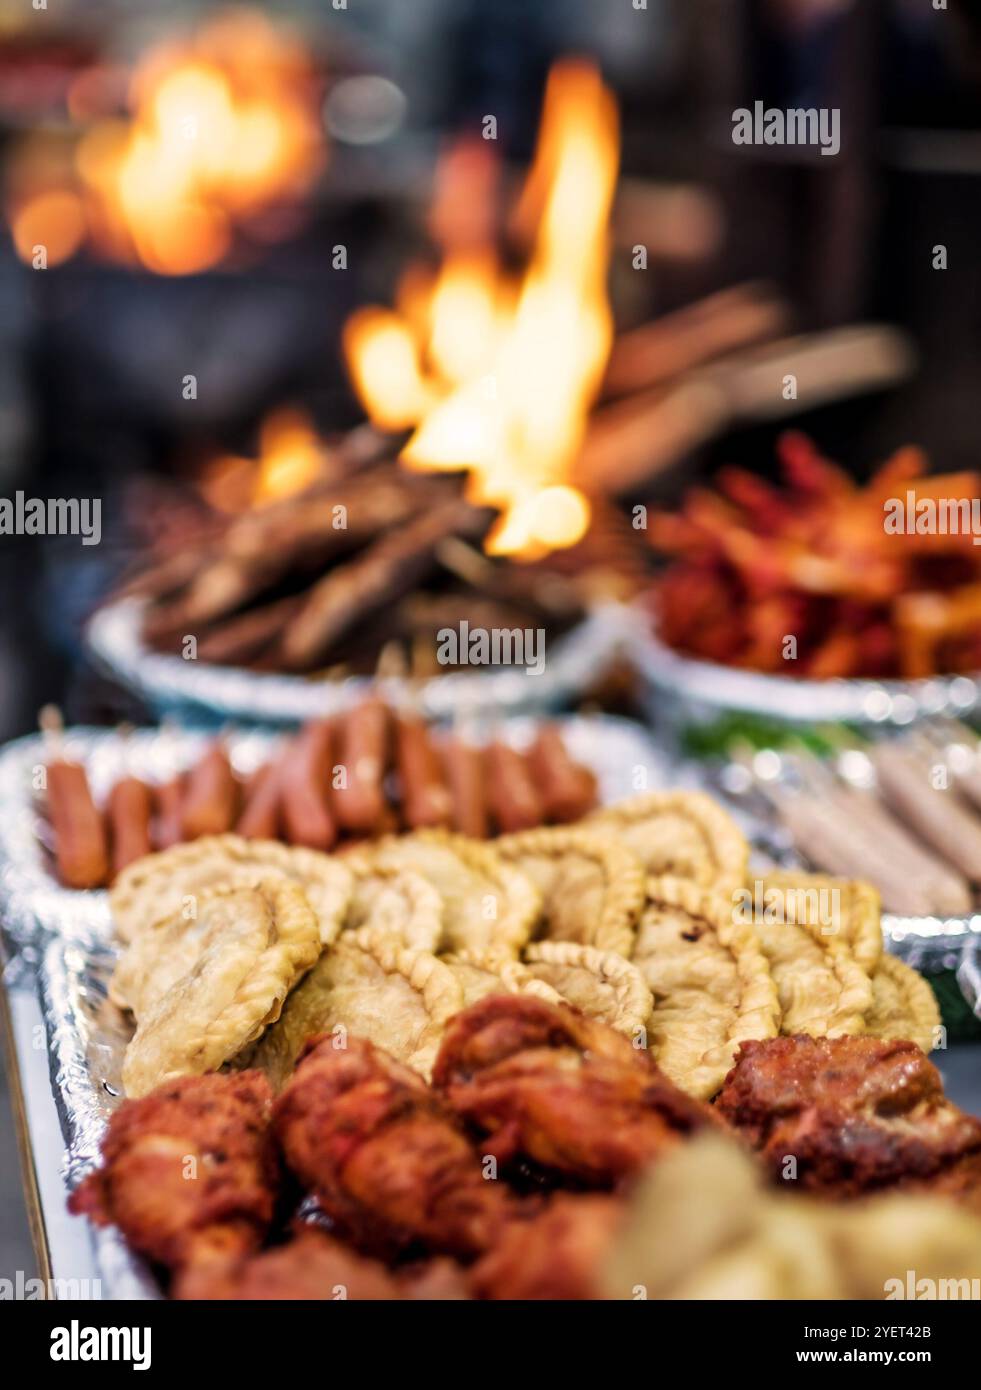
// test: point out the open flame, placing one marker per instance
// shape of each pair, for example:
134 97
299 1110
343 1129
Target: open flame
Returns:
291 458
222 127
497 375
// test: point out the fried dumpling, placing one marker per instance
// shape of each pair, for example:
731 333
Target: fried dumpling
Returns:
681 833
711 983
488 904
823 991
601 984
592 888
903 1005
158 885
366 985
249 947
394 902
494 972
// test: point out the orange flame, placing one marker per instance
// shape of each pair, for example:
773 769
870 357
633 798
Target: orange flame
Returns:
291 457
499 378
223 126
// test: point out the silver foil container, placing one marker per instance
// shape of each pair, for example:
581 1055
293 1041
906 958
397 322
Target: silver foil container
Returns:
68 1038
686 691
60 954
171 686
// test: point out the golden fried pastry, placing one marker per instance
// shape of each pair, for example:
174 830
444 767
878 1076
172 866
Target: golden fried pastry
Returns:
250 945
823 991
903 1005
487 904
685 834
856 906
601 984
592 888
159 885
494 972
366 985
711 983
394 901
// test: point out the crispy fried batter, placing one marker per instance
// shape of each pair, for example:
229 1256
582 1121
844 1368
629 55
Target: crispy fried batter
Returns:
384 1156
189 1173
557 1255
316 1267
565 1091
857 1114
312 1266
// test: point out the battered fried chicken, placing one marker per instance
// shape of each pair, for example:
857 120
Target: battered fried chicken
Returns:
385 1157
556 1255
189 1172
315 1267
857 1113
548 1084
312 1266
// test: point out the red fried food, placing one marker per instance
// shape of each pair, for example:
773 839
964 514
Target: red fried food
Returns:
312 1266
189 1171
866 590
558 1254
383 1154
316 1267
545 1083
857 1114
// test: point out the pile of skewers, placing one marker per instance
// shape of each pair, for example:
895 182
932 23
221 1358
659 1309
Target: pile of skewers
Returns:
369 772
287 588
903 814
370 554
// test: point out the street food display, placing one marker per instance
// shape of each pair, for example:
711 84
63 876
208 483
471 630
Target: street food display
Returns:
572 1004
495 848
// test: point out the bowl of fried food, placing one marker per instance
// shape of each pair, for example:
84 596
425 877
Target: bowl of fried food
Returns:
818 597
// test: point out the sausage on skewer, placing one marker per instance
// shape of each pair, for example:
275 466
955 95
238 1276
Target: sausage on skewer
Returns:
362 751
129 811
463 765
167 823
513 799
211 795
425 799
81 849
261 815
304 776
567 789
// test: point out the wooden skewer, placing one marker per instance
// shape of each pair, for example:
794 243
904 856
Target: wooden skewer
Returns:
631 442
676 343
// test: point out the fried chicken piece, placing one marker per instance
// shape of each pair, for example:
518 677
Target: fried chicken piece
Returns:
385 1157
559 1254
311 1266
548 1084
857 1113
316 1267
189 1172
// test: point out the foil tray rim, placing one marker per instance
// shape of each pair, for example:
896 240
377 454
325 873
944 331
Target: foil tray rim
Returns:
113 636
795 699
